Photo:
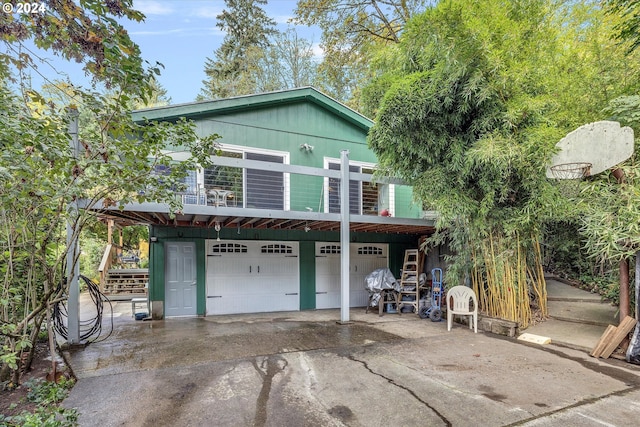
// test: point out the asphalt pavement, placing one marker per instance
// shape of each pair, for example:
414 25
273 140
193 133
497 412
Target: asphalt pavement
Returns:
306 369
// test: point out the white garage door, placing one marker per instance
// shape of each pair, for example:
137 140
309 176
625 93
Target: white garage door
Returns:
364 258
252 276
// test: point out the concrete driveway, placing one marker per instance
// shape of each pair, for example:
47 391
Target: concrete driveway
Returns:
304 369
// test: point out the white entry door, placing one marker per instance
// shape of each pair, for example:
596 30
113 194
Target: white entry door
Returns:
180 279
364 258
252 277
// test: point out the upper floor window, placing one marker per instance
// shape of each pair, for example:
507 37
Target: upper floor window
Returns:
365 198
245 187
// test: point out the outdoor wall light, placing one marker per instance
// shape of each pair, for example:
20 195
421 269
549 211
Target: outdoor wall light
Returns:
153 239
217 228
306 147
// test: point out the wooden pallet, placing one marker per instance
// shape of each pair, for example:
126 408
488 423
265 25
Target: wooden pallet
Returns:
612 338
126 281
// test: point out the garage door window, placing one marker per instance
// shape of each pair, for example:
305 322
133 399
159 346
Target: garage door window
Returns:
331 249
370 250
276 249
228 248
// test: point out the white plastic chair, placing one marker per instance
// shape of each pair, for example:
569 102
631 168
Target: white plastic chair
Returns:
459 300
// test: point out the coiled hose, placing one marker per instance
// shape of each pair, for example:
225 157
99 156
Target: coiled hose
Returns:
91 330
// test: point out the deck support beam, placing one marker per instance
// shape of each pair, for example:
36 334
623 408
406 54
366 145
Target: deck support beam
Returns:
73 251
344 236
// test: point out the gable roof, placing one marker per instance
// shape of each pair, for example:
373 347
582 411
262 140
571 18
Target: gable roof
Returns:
195 110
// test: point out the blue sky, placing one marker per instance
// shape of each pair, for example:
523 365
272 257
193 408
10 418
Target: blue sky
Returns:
181 35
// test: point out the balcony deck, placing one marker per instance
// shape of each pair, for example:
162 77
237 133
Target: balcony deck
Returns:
208 216
307 201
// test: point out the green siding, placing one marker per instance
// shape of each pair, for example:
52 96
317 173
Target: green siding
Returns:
203 110
405 206
201 277
286 127
156 271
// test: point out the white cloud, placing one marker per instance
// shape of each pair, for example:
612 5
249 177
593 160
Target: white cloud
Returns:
318 52
151 7
283 19
207 12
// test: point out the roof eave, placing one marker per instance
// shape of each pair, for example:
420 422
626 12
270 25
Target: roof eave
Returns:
195 110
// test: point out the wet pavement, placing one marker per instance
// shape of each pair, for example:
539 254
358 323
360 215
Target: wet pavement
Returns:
305 369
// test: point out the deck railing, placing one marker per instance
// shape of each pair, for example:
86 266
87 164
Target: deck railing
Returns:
241 183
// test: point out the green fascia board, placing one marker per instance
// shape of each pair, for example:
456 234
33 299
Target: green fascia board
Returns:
201 109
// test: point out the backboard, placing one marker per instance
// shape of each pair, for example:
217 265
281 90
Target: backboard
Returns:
602 144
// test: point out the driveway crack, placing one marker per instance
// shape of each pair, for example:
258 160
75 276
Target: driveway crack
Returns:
411 392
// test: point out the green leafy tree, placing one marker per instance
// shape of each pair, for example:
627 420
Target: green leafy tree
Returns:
628 30
287 63
608 213
47 183
157 98
351 32
603 210
230 71
469 113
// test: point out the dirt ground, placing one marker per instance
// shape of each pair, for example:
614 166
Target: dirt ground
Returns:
41 367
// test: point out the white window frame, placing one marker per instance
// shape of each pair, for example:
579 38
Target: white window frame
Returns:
361 165
286 159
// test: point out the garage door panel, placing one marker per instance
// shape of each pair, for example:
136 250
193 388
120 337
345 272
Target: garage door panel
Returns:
358 298
364 258
262 278
238 268
277 267
251 303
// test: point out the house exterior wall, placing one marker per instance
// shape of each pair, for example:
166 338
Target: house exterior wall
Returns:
279 123
285 128
398 243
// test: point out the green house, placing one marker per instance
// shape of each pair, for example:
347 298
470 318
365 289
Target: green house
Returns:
260 231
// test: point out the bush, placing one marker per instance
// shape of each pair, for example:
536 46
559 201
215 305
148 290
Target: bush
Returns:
48 413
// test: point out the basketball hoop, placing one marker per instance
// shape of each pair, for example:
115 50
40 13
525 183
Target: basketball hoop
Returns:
569 175
577 170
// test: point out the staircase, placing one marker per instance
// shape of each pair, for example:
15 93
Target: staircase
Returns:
126 283
577 318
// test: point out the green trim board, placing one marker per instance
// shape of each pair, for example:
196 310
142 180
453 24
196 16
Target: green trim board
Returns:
198 110
307 276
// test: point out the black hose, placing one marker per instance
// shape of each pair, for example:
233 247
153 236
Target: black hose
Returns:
90 329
